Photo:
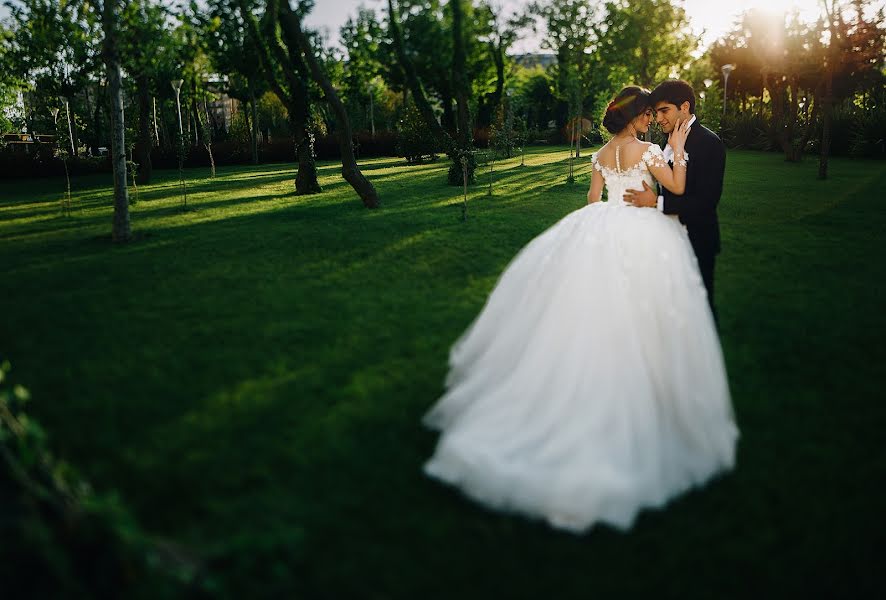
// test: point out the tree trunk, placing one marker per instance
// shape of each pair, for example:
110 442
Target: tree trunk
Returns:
498 57
349 169
156 128
827 112
142 148
459 75
464 158
448 119
254 127
121 230
206 133
790 125
195 114
306 174
165 138
72 129
90 141
778 125
488 104
95 112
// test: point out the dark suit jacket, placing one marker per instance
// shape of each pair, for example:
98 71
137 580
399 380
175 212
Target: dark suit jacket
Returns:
697 206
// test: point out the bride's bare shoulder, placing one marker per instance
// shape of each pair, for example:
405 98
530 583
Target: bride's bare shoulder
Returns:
605 149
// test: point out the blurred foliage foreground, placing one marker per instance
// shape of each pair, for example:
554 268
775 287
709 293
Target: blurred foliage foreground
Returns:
61 539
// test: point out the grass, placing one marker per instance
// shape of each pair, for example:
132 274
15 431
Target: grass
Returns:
250 376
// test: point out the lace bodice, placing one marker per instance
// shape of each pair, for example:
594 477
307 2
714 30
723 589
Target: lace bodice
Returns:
619 180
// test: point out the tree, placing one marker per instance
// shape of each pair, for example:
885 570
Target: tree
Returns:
855 52
362 39
534 96
498 35
110 20
644 54
783 57
144 42
571 33
288 77
53 50
9 85
458 148
350 170
232 51
805 69
459 75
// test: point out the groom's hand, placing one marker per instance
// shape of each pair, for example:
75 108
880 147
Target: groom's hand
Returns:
644 198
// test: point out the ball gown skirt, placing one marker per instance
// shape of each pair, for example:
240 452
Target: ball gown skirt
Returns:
592 383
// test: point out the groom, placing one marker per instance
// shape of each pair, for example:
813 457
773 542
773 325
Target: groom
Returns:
674 100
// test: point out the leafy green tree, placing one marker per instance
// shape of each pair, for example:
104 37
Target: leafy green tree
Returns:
498 34
54 49
457 147
9 86
569 32
534 96
362 38
855 55
232 52
781 56
572 34
288 77
803 69
146 44
646 41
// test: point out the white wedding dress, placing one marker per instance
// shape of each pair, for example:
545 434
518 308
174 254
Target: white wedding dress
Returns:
592 383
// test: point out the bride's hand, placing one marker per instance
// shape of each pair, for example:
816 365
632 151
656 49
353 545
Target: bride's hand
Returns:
677 138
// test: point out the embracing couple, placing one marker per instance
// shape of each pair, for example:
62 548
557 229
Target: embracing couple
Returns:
592 383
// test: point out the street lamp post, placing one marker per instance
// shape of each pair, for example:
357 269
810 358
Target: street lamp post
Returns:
727 69
177 86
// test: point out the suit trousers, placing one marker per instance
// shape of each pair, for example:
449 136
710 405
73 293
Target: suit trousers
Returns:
706 261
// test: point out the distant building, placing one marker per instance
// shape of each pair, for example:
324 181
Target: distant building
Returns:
533 60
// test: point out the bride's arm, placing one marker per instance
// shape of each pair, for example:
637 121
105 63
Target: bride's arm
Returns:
596 190
673 179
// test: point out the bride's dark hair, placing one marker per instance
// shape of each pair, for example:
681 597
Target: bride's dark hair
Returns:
626 105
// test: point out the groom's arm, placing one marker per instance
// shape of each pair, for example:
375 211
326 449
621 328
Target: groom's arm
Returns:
702 197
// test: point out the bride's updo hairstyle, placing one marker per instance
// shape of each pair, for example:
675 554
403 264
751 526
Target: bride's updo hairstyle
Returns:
626 105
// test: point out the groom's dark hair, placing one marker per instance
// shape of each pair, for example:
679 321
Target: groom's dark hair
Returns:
674 91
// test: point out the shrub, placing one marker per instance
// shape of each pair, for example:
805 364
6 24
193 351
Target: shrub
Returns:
747 131
414 139
867 138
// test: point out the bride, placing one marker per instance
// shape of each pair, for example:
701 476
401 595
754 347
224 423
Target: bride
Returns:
592 383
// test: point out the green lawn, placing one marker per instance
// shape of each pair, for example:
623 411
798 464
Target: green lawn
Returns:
250 376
